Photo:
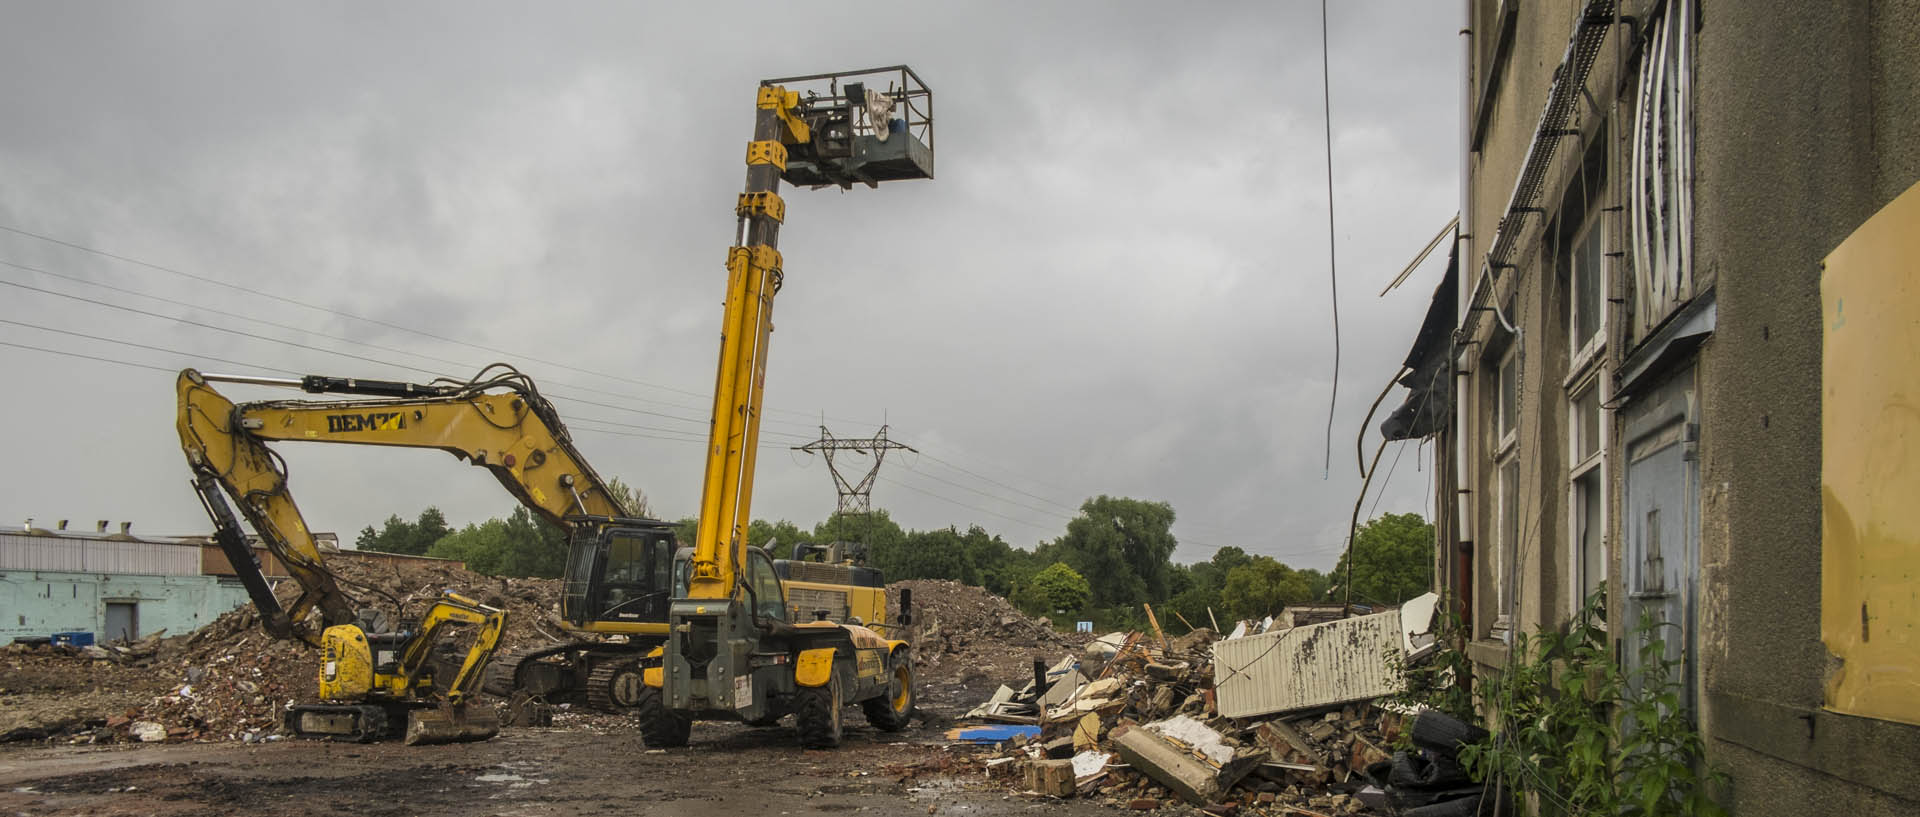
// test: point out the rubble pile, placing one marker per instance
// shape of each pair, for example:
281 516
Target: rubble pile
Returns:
1136 722
48 690
965 638
230 680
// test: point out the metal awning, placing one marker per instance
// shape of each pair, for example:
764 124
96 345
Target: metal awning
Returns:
1428 379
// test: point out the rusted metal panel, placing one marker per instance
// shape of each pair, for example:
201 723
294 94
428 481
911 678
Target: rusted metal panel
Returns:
1870 438
1304 667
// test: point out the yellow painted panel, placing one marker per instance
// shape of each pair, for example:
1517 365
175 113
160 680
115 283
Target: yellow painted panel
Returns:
1870 466
814 667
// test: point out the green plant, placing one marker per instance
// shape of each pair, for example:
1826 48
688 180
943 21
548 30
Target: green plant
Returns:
1582 736
1442 681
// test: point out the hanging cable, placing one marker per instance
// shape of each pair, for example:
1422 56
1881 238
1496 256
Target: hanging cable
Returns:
1333 277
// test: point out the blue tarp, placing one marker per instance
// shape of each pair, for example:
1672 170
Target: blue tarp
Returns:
992 734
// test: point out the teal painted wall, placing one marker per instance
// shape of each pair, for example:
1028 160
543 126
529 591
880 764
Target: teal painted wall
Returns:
38 603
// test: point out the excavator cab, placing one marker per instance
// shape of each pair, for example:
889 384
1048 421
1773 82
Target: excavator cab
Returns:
619 571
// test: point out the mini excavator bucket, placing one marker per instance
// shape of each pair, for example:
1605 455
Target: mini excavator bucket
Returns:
449 723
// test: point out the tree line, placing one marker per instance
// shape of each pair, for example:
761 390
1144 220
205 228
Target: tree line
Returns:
1115 555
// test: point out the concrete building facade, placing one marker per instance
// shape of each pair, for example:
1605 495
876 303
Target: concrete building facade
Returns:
116 587
1641 399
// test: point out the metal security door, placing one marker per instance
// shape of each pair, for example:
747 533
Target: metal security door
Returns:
123 621
1661 519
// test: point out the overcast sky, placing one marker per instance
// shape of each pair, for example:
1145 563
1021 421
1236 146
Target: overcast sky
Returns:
1118 283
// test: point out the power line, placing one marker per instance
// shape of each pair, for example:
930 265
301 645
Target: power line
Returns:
141 346
87 357
1073 510
996 482
188 322
466 366
1388 481
353 316
691 435
396 326
584 424
580 422
950 501
312 348
993 496
853 497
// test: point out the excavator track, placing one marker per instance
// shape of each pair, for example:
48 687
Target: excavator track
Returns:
501 671
615 686
514 671
613 674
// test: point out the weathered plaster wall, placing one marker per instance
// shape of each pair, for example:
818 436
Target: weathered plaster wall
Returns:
36 603
1808 120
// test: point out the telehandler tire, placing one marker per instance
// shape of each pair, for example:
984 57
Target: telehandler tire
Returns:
890 711
660 727
816 715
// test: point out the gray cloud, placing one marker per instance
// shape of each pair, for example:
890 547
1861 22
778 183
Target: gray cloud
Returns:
1116 285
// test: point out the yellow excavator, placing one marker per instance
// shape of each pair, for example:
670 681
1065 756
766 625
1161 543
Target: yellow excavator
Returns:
619 573
617 577
736 650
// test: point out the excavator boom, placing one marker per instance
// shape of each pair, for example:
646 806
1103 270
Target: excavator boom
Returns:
515 434
618 568
733 650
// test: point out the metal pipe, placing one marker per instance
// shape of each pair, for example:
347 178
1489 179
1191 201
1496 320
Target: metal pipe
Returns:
251 380
1462 473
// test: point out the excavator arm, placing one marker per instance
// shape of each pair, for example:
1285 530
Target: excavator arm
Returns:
498 422
454 609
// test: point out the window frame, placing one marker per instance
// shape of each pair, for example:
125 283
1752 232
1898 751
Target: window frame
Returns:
1581 351
1591 383
1507 553
1506 404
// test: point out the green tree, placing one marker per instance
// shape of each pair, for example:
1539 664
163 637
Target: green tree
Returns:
1058 589
397 535
520 545
1392 559
932 554
482 547
782 535
1123 545
428 529
1318 583
632 499
883 537
1261 587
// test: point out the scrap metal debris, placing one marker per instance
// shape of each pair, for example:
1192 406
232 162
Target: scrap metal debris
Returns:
1144 721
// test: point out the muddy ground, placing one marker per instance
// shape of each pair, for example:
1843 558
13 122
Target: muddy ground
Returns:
728 770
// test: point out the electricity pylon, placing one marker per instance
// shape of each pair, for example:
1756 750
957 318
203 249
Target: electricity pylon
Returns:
854 498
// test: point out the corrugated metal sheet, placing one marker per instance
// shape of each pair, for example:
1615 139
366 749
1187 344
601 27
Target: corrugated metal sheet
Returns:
1316 665
69 554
